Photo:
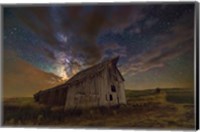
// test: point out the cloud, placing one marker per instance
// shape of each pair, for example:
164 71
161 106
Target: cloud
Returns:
111 50
22 79
73 30
49 53
168 46
40 21
37 20
76 46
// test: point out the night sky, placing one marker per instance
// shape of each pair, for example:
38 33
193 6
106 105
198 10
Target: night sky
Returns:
46 45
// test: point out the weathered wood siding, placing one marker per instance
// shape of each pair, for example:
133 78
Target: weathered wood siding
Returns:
114 79
52 97
96 90
85 93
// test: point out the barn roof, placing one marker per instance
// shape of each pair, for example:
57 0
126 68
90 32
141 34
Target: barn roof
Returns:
89 72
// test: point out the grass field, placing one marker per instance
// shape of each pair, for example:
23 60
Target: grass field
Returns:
174 95
171 109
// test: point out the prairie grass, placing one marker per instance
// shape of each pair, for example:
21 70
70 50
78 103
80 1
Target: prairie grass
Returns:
144 109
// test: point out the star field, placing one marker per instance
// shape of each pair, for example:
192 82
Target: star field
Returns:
155 42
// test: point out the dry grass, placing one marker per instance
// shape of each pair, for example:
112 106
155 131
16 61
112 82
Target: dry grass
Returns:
143 111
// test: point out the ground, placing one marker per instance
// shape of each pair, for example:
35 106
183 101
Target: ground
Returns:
169 109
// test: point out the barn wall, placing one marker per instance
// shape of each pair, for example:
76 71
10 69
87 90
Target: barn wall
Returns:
43 97
105 93
70 97
103 90
112 81
62 96
122 96
52 97
121 89
118 96
95 90
87 93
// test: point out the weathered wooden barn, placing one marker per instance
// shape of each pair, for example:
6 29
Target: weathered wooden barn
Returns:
99 85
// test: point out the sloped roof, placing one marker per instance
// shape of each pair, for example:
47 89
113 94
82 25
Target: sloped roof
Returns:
93 71
89 72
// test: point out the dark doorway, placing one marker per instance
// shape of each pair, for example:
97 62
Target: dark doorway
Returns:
111 98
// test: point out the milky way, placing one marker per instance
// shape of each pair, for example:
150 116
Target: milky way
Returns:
155 42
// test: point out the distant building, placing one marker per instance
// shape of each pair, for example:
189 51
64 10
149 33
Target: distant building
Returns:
100 85
157 90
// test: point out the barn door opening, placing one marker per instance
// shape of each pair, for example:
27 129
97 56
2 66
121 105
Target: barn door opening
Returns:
111 97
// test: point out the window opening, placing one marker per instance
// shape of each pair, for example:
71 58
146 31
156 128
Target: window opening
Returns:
113 88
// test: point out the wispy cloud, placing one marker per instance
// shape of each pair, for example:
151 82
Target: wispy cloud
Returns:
22 79
177 42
